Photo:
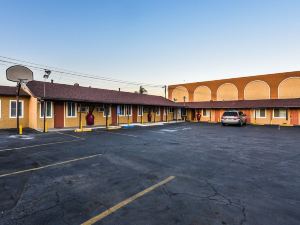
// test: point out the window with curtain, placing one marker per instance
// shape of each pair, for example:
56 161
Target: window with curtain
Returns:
48 109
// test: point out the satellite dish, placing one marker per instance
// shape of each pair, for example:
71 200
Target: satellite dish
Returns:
19 73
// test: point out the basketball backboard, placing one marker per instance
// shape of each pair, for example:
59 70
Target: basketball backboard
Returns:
19 73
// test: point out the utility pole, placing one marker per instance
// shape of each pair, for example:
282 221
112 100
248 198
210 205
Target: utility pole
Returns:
165 91
46 76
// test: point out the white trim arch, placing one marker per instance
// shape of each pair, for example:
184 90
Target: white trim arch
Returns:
202 86
262 81
278 88
235 87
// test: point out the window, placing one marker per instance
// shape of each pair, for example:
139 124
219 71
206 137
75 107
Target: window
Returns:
13 109
260 113
140 110
279 113
48 110
184 112
158 111
108 108
121 110
145 109
128 110
165 110
205 112
71 109
124 110
171 110
100 108
230 114
83 109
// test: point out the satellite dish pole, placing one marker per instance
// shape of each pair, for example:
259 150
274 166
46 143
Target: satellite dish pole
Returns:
21 75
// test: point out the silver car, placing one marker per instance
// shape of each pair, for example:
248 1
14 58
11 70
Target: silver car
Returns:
234 117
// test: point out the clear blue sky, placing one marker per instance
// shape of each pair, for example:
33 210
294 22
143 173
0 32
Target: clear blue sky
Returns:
153 41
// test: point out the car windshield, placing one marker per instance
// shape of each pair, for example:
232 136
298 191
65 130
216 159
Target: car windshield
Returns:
230 114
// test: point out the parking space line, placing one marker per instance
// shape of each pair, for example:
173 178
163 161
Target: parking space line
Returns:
34 146
128 135
126 202
70 135
50 165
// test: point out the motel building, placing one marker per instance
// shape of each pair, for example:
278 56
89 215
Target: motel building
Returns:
73 106
272 99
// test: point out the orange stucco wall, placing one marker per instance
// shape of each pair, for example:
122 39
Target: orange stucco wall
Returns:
5 120
268 120
288 89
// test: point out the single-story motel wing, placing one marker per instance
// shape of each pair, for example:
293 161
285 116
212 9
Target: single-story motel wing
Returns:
69 106
272 99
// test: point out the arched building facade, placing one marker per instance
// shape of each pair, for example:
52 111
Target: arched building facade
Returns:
254 93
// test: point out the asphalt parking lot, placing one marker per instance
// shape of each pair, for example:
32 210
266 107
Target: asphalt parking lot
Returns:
187 174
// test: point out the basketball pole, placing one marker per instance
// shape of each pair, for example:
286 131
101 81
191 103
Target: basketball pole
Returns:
17 105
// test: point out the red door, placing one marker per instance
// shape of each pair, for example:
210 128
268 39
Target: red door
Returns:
114 115
58 114
161 113
134 114
294 117
247 112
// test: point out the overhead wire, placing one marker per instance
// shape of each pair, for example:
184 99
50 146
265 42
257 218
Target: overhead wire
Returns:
73 73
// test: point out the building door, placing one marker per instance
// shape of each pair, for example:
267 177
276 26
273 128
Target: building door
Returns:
59 114
193 116
134 114
114 115
247 112
217 115
161 113
294 117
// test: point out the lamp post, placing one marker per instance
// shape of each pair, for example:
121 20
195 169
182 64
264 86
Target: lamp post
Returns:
46 76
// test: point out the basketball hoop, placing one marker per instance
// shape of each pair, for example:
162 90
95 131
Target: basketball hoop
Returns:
21 75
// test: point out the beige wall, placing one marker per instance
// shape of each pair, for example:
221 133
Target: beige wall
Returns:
227 92
257 90
289 88
5 121
202 93
179 93
125 119
40 120
99 119
33 113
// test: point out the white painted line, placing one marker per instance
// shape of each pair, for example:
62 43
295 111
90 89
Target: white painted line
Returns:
112 132
34 146
50 165
70 135
157 132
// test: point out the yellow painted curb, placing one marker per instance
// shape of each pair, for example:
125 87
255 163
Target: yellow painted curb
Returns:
83 130
113 128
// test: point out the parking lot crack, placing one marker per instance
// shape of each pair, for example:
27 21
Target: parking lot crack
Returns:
244 218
